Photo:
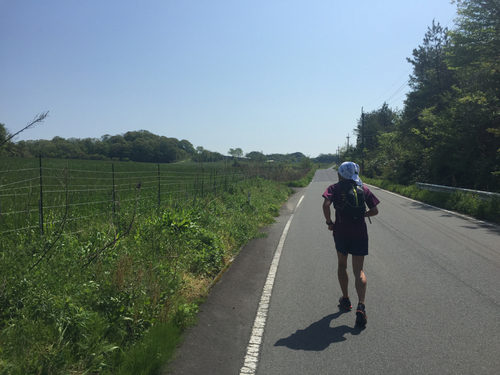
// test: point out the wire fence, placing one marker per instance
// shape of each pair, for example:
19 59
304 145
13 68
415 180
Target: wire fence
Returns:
40 199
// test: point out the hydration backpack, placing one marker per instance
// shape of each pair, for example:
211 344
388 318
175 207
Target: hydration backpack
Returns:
353 200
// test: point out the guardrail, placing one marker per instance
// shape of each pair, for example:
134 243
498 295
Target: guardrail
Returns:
448 189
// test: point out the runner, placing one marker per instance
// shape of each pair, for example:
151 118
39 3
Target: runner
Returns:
350 234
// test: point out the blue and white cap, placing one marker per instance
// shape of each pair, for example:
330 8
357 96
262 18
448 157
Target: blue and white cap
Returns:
350 171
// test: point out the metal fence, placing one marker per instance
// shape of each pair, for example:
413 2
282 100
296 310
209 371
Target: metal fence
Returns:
36 199
447 189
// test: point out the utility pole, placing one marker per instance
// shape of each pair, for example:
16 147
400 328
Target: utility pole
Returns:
347 141
362 141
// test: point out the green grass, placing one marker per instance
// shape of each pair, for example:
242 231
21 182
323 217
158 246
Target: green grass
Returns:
78 190
152 351
98 296
460 202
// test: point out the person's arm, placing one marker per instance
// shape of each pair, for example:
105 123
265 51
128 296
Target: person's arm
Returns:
371 212
327 212
371 200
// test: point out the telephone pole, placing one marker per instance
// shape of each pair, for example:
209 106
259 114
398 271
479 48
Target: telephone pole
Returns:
362 141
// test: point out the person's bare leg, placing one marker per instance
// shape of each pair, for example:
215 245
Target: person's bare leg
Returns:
360 277
342 274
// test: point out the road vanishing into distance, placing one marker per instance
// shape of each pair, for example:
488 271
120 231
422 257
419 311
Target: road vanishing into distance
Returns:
433 298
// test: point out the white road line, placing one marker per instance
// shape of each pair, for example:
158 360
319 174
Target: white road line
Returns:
300 200
253 349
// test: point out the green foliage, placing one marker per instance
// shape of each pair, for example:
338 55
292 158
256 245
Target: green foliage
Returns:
306 179
288 158
112 298
235 152
376 122
139 146
464 203
326 159
185 315
255 156
448 131
152 351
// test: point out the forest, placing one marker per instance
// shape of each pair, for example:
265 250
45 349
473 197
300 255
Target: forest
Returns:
448 132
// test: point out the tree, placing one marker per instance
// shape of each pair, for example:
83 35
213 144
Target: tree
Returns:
235 153
256 156
476 41
187 146
238 153
4 135
472 111
431 82
326 158
376 122
431 77
306 163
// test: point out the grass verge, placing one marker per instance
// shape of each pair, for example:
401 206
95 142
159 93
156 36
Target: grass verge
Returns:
114 298
464 203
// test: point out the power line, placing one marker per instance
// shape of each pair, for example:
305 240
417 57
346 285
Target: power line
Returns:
394 84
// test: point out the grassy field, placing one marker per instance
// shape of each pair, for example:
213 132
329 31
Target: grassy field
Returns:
79 190
106 280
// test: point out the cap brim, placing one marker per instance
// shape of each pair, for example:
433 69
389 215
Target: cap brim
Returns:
357 180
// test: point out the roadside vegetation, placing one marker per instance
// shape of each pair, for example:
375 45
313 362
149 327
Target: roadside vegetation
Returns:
448 132
467 204
111 293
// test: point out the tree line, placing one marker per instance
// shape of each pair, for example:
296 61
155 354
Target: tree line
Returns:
448 132
140 146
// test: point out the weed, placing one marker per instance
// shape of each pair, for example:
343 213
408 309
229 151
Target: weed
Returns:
151 352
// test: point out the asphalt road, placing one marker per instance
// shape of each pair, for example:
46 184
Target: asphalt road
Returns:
433 298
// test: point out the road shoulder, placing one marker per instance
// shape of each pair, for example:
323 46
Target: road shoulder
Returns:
217 344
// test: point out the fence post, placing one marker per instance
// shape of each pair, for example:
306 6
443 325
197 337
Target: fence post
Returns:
40 201
113 194
159 187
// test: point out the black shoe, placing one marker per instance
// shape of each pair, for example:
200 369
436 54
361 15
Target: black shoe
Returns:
361 315
345 303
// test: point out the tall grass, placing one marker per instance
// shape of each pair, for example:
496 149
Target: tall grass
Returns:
99 298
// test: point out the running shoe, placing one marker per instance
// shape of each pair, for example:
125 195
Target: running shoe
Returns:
345 303
361 315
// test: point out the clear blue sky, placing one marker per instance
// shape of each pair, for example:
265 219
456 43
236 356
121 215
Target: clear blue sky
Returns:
261 75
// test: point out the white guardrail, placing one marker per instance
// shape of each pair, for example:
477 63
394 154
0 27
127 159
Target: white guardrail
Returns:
447 189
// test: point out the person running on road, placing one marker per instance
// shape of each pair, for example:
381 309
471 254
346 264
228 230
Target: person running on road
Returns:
350 236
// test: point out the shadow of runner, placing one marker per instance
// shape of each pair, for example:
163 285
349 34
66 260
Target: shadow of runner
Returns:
319 335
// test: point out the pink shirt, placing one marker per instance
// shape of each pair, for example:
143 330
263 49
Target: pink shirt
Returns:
345 226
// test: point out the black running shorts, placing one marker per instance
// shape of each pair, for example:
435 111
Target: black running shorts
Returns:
351 246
